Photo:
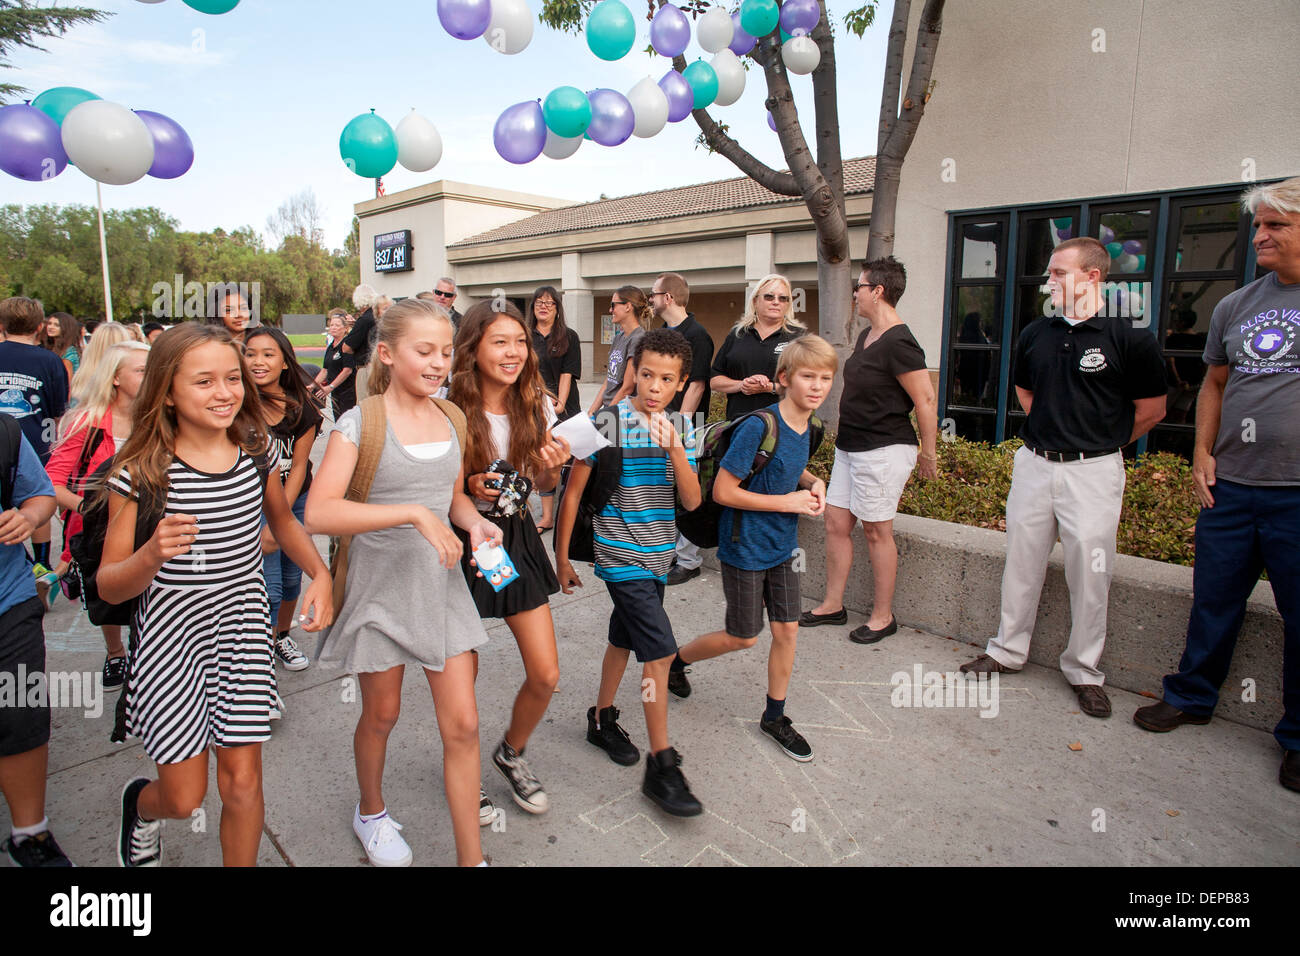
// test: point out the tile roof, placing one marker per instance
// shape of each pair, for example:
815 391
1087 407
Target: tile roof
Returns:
699 199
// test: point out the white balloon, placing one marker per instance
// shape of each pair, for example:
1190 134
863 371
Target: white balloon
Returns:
560 147
714 30
801 54
731 77
1127 262
419 146
511 26
108 142
649 106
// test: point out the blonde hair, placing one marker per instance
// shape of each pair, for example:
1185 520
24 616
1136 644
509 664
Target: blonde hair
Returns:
102 339
137 331
1283 196
390 328
97 389
788 321
807 351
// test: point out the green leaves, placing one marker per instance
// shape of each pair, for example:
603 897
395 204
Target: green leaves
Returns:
22 22
857 21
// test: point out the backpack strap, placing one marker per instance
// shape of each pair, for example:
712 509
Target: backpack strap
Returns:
457 417
11 442
374 429
93 439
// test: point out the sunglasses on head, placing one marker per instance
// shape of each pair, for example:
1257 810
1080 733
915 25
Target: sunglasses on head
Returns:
773 297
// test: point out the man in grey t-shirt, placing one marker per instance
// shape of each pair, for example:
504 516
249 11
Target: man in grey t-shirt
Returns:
1247 472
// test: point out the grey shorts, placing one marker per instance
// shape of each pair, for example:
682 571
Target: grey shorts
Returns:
748 592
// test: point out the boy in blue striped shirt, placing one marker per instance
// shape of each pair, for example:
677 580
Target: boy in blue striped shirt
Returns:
635 538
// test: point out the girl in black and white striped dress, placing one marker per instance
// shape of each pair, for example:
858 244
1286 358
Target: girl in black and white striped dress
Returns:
201 672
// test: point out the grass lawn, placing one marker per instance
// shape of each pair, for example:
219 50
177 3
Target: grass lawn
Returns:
316 339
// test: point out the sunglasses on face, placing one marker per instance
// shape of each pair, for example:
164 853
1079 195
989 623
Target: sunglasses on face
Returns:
444 295
614 302
773 297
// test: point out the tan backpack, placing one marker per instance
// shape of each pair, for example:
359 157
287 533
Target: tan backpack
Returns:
374 429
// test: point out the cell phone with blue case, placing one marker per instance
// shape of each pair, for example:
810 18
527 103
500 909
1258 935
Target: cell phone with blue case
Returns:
496 566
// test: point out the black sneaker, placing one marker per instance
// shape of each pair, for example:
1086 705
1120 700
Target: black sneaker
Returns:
524 785
39 850
114 674
791 741
680 575
139 843
677 682
610 737
666 785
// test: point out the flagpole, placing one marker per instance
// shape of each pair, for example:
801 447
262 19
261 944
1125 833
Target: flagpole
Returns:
103 252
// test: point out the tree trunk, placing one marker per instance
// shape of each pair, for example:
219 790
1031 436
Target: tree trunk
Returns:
835 316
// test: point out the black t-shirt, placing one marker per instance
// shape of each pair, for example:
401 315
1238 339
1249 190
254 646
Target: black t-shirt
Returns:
701 369
287 431
874 407
552 367
745 354
1085 379
359 339
336 360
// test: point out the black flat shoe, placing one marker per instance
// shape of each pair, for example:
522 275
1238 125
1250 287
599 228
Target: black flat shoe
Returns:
809 619
865 635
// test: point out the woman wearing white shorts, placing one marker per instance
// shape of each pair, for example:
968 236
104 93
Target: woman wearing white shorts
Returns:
875 448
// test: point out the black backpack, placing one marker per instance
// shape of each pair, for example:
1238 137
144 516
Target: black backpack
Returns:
700 526
87 547
599 491
11 443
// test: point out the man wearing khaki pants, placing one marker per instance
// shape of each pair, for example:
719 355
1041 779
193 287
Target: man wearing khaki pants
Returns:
1090 383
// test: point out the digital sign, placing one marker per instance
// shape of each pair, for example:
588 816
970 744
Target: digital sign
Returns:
393 252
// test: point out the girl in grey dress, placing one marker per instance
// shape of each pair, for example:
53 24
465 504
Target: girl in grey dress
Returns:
406 600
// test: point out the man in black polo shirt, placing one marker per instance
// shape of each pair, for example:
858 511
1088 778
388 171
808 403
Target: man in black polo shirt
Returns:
1090 384
668 298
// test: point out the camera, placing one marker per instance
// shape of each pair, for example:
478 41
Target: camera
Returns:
514 489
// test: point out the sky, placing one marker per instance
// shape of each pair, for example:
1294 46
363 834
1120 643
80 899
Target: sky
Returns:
265 90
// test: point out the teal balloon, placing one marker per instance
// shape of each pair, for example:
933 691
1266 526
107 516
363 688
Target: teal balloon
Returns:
611 31
1062 223
1116 249
567 111
704 83
1142 263
369 146
759 17
213 7
58 102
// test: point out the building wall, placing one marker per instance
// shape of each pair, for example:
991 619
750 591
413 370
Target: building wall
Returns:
1186 93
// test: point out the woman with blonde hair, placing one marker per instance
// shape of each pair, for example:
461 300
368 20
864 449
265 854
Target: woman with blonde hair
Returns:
89 435
744 368
105 336
632 314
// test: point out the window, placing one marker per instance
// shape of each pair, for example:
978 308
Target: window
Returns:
1174 256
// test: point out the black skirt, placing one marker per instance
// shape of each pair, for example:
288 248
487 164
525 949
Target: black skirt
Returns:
536 581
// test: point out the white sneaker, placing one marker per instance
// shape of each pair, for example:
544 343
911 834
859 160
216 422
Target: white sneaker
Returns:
277 708
384 845
487 810
288 654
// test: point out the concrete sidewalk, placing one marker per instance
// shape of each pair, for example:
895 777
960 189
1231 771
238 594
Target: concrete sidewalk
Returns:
889 785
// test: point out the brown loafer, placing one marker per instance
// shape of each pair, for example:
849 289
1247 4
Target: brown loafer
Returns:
987 665
1092 700
1160 718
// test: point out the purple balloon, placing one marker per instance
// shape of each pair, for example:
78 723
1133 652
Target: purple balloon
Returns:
670 31
681 98
741 42
520 133
173 152
771 121
465 19
31 145
1065 232
1133 246
798 17
612 118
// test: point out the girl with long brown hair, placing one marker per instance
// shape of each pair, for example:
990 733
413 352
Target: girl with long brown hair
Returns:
200 672
63 336
495 381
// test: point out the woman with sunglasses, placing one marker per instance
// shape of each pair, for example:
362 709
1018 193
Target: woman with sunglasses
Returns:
745 367
631 311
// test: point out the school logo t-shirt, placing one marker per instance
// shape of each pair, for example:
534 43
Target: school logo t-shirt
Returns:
1255 331
34 390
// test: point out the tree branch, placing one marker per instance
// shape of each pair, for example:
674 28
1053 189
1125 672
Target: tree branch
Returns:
893 72
781 183
826 109
927 44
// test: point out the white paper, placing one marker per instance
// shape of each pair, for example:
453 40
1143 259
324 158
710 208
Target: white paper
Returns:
582 435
